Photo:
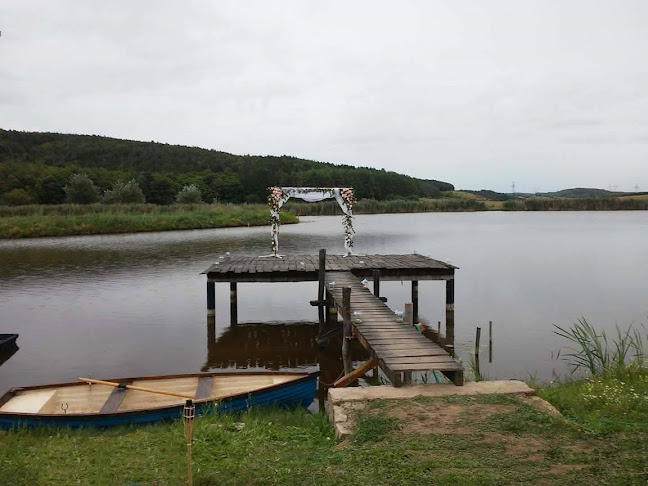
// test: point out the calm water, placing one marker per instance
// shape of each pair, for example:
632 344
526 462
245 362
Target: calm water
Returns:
128 305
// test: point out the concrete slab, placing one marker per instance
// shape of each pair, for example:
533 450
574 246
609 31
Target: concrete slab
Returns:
345 402
337 395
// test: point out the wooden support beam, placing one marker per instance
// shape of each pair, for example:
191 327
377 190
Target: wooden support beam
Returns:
415 294
332 312
346 380
211 298
490 341
320 289
450 291
346 316
233 304
376 282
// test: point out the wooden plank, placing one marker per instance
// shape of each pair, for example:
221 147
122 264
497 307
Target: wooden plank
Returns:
203 390
380 348
426 367
404 353
114 400
428 360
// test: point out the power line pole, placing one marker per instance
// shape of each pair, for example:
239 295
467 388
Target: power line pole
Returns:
513 188
637 187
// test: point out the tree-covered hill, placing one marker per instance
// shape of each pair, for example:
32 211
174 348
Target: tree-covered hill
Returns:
36 166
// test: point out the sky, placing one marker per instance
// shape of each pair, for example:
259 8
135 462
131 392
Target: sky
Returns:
546 94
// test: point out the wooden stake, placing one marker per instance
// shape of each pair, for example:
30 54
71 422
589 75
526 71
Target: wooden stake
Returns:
408 315
477 336
346 336
490 341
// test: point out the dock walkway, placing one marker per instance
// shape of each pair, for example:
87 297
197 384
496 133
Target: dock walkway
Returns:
398 348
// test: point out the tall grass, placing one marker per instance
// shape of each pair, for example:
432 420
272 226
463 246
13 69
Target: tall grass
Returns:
593 351
74 219
614 394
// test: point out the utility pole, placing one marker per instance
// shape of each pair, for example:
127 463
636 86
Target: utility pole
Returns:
637 187
513 188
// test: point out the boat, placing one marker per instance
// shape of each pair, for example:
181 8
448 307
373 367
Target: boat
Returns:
7 341
152 398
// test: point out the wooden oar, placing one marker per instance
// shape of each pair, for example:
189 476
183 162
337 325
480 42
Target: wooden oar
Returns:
138 388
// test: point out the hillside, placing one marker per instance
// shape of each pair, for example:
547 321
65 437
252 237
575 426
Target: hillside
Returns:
37 166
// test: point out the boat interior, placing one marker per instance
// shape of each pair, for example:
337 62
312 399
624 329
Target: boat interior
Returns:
95 398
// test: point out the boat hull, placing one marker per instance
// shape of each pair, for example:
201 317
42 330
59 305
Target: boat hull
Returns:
293 394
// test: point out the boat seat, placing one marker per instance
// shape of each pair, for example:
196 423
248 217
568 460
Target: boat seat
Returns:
31 402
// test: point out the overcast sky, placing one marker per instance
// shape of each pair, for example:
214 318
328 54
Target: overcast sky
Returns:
546 94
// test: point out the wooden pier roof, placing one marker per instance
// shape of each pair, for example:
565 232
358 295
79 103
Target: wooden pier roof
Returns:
299 268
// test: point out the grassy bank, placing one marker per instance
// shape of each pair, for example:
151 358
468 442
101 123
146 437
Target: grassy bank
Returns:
72 219
580 204
490 439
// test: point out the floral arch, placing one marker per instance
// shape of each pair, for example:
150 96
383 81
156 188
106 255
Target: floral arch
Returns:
344 196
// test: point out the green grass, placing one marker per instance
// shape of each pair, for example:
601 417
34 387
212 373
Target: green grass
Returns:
493 439
72 219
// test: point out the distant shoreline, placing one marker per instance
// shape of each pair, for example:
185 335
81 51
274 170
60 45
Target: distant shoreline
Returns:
100 219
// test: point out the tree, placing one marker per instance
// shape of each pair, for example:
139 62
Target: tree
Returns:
81 190
189 194
124 193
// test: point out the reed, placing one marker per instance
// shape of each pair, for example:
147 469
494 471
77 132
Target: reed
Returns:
74 219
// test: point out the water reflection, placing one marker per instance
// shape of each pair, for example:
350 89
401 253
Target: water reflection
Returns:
276 346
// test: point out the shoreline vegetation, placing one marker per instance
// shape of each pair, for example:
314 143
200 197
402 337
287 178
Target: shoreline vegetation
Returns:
486 439
76 219
86 219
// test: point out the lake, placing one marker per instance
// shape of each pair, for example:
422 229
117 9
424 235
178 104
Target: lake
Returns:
125 305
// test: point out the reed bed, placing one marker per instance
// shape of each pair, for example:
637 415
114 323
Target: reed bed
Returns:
373 206
580 204
74 219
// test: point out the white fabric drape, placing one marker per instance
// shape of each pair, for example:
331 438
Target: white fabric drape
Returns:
308 194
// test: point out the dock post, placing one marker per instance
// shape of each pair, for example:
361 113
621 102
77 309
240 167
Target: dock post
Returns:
320 289
211 334
450 290
408 315
415 293
331 315
376 282
477 338
211 298
233 304
346 335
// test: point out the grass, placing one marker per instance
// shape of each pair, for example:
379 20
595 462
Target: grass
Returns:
613 395
74 219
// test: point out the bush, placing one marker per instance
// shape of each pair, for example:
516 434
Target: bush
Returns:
124 193
189 194
17 197
81 190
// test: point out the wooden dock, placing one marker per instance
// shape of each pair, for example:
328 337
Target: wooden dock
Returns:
396 346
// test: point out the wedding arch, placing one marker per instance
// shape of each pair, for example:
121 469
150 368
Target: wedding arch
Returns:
343 195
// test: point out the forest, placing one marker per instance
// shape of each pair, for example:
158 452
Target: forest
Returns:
34 168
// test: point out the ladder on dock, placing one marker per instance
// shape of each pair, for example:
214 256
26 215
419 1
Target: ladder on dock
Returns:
397 347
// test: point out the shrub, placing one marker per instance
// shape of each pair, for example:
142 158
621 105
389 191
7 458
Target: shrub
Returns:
189 194
17 197
124 193
81 190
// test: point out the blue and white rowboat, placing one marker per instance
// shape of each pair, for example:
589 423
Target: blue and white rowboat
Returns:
82 404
